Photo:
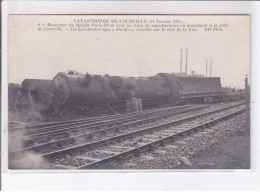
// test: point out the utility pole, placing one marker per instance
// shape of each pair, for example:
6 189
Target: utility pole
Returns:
210 67
181 63
247 103
186 61
206 67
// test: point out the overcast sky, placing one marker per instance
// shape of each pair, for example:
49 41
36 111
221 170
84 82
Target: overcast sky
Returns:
41 55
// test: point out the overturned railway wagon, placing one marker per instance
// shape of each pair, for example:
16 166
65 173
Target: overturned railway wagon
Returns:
38 89
201 89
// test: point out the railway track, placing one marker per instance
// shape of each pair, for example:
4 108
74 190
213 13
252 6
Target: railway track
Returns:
80 135
90 122
178 137
90 155
52 125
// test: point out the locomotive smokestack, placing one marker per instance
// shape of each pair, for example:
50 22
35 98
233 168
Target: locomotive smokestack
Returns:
210 67
206 67
181 63
186 61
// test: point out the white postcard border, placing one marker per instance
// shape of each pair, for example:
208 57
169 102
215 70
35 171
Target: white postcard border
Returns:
116 180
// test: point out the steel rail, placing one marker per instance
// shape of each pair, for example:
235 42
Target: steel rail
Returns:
86 124
159 142
86 136
93 119
67 132
123 136
98 125
126 135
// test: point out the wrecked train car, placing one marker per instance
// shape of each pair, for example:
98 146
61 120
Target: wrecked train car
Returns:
70 88
92 92
201 89
33 94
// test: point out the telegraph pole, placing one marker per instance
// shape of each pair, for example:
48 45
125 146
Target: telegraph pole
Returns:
186 61
247 103
207 68
181 63
210 67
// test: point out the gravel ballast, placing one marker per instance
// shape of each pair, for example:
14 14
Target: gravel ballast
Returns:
170 156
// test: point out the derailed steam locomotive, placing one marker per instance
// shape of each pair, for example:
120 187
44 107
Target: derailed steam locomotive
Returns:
70 89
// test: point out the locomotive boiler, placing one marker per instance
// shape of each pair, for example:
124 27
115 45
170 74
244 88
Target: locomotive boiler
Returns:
72 88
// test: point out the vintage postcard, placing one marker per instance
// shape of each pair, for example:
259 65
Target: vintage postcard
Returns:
128 92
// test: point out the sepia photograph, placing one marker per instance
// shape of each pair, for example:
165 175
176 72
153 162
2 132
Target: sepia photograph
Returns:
128 92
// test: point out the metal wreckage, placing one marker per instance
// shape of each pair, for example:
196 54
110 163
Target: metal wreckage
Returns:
115 93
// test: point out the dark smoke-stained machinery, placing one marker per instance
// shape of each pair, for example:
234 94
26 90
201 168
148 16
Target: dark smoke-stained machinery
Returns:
70 88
